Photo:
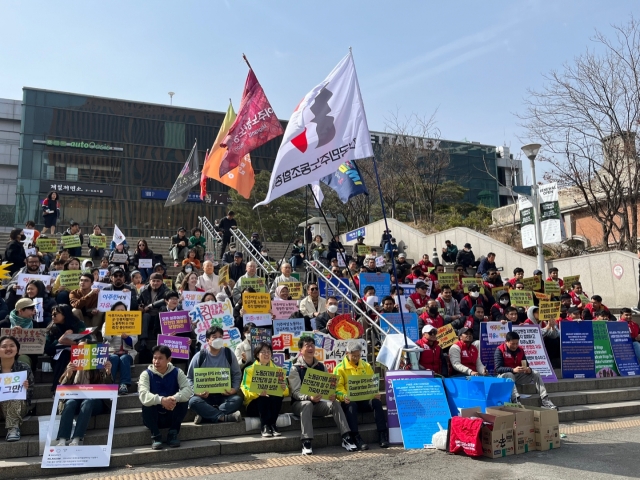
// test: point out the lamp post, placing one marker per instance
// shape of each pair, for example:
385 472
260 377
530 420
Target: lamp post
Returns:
531 151
171 94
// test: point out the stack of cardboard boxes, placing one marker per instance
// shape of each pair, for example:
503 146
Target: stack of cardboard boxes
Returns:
515 430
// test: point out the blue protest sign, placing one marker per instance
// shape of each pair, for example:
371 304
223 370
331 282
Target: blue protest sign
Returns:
622 347
421 405
380 281
410 322
395 436
292 325
487 349
408 288
354 234
483 392
576 346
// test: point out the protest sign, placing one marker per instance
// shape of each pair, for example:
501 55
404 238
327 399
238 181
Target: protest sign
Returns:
446 336
168 283
576 346
260 335
211 314
39 316
69 279
257 283
450 279
232 338
622 348
410 323
551 288
211 380
335 350
521 298
119 258
421 405
497 332
145 263
532 283
75 337
174 322
70 241
47 245
12 386
269 379
179 346
223 275
292 325
100 285
468 281
379 261
363 250
380 281
117 323
363 387
486 349
568 281
542 296
395 436
98 241
191 299
497 291
258 319
84 455
535 351
295 289
256 302
102 273
108 298
90 356
318 383
54 274
605 364
28 237
24 278
283 309
548 310
31 340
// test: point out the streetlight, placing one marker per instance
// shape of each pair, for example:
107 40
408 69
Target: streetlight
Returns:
531 152
171 94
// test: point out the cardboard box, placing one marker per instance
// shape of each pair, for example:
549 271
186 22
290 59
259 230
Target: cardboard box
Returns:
497 439
547 428
523 430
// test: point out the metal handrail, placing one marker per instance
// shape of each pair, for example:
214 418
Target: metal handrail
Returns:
244 242
211 235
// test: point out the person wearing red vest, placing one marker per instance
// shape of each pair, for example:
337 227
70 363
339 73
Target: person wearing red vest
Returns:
470 300
511 362
578 296
431 316
465 356
634 330
553 277
417 302
431 355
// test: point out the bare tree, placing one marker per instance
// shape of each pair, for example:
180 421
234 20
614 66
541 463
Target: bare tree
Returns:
587 117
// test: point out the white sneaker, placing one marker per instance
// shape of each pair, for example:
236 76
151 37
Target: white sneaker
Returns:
348 445
46 367
76 442
62 443
232 417
306 448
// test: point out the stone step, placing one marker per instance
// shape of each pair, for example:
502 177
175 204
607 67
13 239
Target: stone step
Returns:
46 378
29 467
592 397
572 385
601 410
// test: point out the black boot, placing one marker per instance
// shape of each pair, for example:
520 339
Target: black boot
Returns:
360 443
384 439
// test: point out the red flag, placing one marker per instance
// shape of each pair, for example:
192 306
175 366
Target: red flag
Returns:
255 125
203 179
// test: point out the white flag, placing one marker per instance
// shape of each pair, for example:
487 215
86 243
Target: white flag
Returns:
118 236
328 128
317 191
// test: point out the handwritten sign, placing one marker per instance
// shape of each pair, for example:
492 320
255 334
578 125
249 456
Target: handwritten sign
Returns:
70 241
12 386
118 323
295 289
551 288
211 314
108 298
98 241
47 245
532 283
521 298
260 335
90 356
174 322
548 310
145 263
211 380
257 283
446 336
31 340
269 379
317 382
223 275
256 302
69 278
258 319
232 338
283 309
191 299
24 278
179 346
363 387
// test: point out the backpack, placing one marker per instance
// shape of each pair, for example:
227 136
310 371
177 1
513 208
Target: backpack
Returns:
227 354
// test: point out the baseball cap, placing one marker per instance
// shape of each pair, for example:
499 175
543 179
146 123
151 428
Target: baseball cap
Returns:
467 245
537 272
117 270
24 303
421 285
237 254
428 328
464 330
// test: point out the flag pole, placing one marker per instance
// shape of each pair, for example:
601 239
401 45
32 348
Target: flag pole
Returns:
244 57
384 214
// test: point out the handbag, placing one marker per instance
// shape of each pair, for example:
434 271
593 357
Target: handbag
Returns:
464 436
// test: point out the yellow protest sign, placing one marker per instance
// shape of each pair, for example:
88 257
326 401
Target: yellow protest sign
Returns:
70 278
168 282
70 241
568 281
495 290
468 281
552 288
269 379
295 289
363 250
542 296
256 302
521 298
98 241
211 380
118 323
548 310
446 336
450 279
47 245
317 382
223 275
532 283
257 283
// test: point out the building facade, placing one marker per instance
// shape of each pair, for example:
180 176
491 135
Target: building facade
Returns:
115 161
10 120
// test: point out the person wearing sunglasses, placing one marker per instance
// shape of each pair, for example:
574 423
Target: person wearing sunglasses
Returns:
313 304
432 356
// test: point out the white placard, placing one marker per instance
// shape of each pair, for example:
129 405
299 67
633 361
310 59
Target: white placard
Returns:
39 310
258 319
24 278
11 386
380 261
86 455
533 346
104 273
145 263
191 299
100 285
497 332
107 298
119 258
54 274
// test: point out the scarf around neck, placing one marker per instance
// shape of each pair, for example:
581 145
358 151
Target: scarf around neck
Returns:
18 321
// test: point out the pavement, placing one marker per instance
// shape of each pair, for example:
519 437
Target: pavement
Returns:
602 449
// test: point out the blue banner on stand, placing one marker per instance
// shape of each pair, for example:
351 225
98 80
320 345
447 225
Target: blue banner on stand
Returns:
483 392
622 348
487 349
380 281
421 405
577 345
410 322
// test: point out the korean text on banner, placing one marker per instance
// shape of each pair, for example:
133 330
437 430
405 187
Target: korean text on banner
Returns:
532 283
211 380
256 302
283 309
292 325
257 283
90 356
497 332
179 346
98 241
450 279
174 322
363 387
319 383
548 310
258 319
295 289
191 299
211 314
380 281
521 298
108 298
31 340
12 386
269 379
535 351
527 222
118 323
24 278
576 347
551 288
395 435
260 335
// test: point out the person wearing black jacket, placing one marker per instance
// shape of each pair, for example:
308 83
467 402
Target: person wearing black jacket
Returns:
179 246
151 300
238 268
74 229
335 246
14 253
323 318
225 226
172 304
466 258
402 267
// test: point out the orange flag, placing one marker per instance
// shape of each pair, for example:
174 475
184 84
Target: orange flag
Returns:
241 178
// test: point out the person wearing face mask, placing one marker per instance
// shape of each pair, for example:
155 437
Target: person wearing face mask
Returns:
297 253
324 317
252 272
498 309
187 269
237 268
208 281
470 300
227 258
244 351
216 407
431 316
449 304
285 276
14 253
151 300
